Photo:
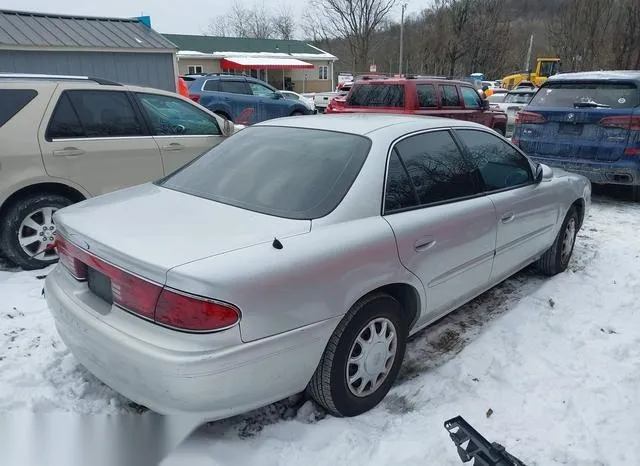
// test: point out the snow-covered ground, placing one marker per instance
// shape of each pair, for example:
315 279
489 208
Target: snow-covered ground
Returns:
556 362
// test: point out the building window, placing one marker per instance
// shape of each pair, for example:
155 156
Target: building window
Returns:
194 69
323 72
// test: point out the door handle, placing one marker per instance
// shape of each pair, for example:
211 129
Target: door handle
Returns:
68 152
424 244
508 217
173 147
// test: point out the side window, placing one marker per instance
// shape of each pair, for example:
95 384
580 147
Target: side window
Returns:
471 97
64 123
449 96
426 95
212 85
234 87
260 90
14 100
436 167
499 164
173 117
105 114
399 192
377 95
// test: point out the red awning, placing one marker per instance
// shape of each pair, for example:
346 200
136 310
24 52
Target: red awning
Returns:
259 63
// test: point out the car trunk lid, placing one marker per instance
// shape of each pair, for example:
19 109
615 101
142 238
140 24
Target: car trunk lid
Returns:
582 121
130 229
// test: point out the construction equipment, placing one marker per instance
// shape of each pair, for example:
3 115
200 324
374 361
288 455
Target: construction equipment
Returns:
545 67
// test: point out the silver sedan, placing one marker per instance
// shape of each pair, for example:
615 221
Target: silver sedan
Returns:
299 255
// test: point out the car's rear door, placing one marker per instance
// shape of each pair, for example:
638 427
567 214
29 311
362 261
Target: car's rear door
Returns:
98 139
181 130
450 102
526 212
578 120
244 105
445 230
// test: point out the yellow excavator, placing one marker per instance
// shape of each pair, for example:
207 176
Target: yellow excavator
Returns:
545 67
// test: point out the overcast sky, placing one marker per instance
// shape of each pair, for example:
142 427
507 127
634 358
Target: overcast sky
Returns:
167 16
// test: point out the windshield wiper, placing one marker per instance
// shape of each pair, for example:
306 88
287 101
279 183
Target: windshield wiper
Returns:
590 105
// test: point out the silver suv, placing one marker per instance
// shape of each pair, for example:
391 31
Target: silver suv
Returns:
64 139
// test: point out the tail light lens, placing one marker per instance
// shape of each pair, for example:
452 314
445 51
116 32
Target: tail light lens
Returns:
149 300
524 117
628 122
194 97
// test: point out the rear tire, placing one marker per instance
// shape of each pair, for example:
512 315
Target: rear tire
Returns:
297 113
28 228
355 349
557 257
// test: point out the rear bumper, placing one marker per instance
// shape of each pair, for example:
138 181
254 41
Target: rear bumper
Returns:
187 379
625 171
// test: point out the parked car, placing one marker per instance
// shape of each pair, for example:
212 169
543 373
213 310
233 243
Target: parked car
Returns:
259 271
65 139
320 99
588 123
243 99
305 100
513 102
420 96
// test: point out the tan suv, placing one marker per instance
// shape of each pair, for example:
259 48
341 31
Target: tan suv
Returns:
64 139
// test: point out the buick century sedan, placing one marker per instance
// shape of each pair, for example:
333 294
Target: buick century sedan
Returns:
298 256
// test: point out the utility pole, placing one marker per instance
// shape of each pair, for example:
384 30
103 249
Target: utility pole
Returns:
528 62
404 5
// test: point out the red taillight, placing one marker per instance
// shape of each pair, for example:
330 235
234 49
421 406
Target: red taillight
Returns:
186 312
628 122
524 117
194 97
632 151
147 299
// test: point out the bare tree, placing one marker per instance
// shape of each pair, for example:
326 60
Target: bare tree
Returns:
283 24
354 21
244 22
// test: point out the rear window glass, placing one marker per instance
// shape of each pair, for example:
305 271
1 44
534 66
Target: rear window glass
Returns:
377 95
518 97
287 172
614 95
12 101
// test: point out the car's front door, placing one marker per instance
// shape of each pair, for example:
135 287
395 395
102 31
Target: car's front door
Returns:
473 106
527 212
98 139
450 102
272 105
181 129
445 230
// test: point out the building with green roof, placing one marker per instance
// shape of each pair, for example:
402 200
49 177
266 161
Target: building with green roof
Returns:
292 64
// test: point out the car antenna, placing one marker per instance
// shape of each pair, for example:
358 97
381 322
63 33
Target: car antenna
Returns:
277 244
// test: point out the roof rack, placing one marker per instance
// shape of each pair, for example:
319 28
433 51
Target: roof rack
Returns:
56 77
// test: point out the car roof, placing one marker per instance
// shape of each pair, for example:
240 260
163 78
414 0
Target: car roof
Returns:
520 90
367 123
609 75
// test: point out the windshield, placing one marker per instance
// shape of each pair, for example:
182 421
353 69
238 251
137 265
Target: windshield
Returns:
559 94
287 172
518 97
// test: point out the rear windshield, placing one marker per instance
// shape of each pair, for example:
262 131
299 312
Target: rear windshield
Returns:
377 95
286 172
614 95
12 101
518 97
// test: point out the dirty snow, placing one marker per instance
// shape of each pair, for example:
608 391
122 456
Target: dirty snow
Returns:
557 363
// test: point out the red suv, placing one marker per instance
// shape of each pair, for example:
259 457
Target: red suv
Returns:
420 96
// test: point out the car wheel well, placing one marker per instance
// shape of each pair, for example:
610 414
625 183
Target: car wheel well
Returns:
579 205
407 296
42 188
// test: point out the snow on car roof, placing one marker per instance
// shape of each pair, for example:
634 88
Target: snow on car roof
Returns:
613 75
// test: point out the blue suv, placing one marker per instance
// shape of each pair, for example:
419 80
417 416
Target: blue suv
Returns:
242 99
587 123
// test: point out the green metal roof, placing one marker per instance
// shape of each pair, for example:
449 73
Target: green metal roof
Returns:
210 44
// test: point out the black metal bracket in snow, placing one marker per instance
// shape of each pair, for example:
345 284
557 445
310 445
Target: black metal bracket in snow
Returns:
478 448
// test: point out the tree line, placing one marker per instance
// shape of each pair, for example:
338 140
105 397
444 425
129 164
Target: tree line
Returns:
456 37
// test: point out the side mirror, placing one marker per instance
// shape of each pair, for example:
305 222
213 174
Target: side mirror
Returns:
543 173
229 127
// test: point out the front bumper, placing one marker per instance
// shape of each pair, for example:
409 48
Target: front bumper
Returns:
185 378
621 172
